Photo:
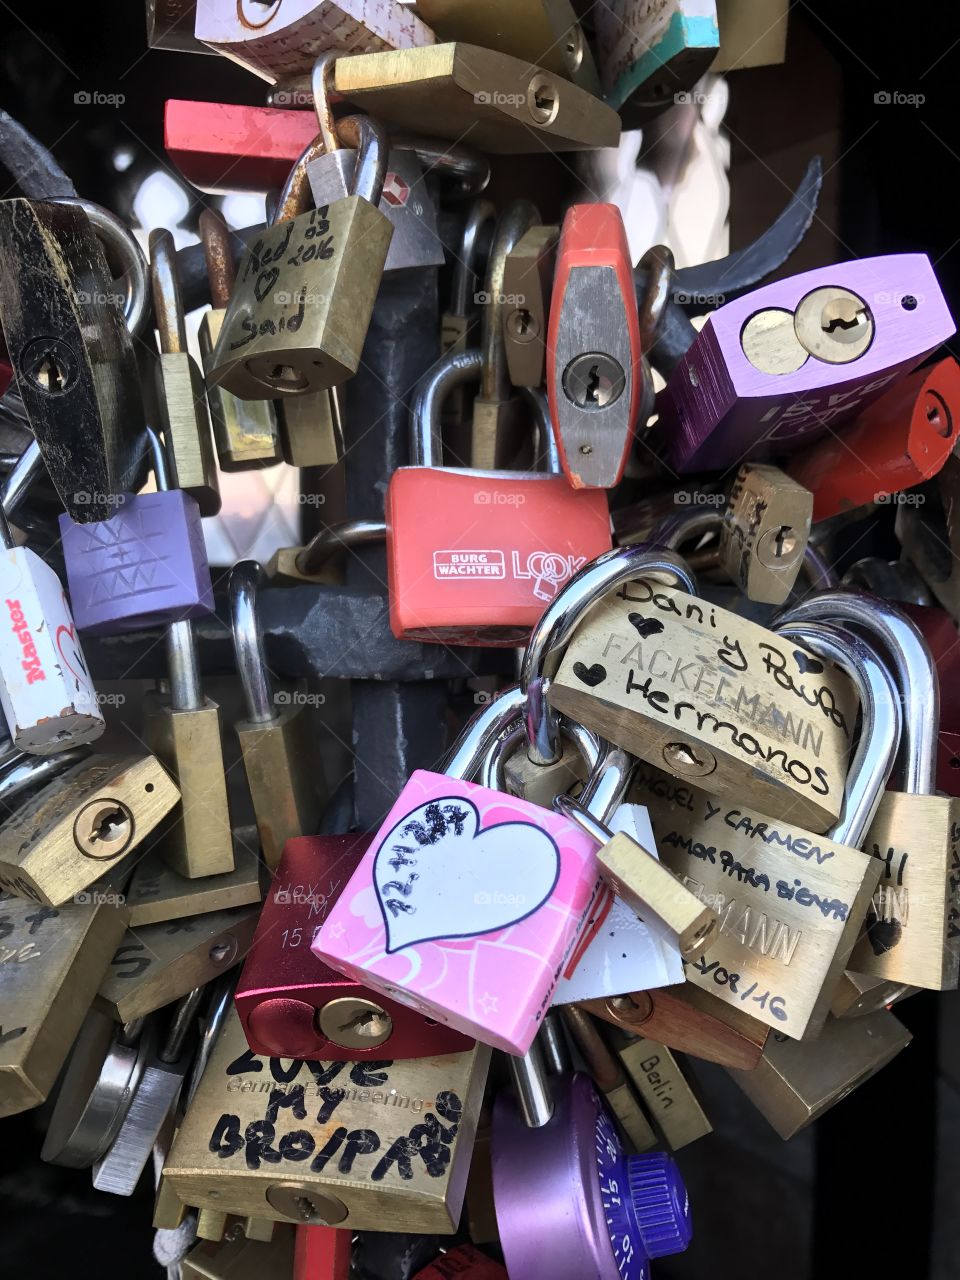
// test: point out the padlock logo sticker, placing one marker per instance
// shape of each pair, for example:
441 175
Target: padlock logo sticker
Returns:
438 875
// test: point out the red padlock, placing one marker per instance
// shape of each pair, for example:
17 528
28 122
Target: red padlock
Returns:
474 557
594 370
940 632
322 1253
462 1263
290 1003
222 147
898 441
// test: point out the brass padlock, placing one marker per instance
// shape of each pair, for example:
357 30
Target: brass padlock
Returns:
459 321
181 398
364 1145
527 286
858 993
796 1083
712 698
51 962
607 1075
765 529
245 432
790 904
305 289
668 1095
157 893
77 827
242 1257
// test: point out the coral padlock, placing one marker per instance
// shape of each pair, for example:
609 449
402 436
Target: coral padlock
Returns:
484 579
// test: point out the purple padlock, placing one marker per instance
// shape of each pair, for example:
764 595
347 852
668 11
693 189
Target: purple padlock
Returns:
144 567
570 1203
781 366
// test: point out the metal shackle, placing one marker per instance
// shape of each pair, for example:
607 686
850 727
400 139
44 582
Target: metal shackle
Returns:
518 217
479 735
168 313
655 270
470 168
21 773
336 539
245 578
480 215
492 773
218 255
117 238
880 722
363 133
912 662
560 619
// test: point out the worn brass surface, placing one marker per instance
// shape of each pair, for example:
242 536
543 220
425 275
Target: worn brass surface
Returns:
539 783
666 1092
242 1256
708 695
182 402
311 432
765 530
860 993
527 284
341 1131
157 893
285 778
607 1075
57 843
652 890
245 432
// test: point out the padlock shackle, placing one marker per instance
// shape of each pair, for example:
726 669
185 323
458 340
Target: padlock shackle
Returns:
335 539
572 809
602 1066
529 1076
479 735
656 268
480 215
20 477
518 217
674 530
21 773
242 588
181 1024
450 160
321 85
217 243
548 454
452 370
186 693
295 196
167 305
912 662
880 722
117 239
369 138
158 455
556 1055
560 619
493 769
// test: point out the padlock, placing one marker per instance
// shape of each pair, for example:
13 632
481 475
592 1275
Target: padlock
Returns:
765 531
688 1019
242 1258
534 534
527 286
311 428
282 41
912 927
501 105
898 441
609 1079
599 1212
778 368
857 994
144 567
82 824
245 432
51 961
650 56
518 914
291 1004
791 905
119 1168
317 562
464 1262
712 698
458 324
170 26
156 892
404 200
542 31
753 33
643 883
158 963
593 347
322 1253
46 692
305 289
372 1145
221 147
181 398
510 769
276 736
70 347
392 1255
182 728
664 1089
796 1083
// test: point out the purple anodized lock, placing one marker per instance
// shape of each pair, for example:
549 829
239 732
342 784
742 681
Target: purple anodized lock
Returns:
146 566
777 368
570 1203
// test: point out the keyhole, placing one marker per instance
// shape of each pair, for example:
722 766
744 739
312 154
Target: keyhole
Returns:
521 325
50 376
49 364
366 1024
843 320
305 1208
593 381
111 826
785 542
542 99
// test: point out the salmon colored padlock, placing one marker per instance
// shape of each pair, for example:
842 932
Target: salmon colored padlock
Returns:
474 557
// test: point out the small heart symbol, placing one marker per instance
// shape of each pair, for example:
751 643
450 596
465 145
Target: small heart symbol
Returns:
807 666
591 676
265 282
69 650
884 935
11 1035
439 877
645 626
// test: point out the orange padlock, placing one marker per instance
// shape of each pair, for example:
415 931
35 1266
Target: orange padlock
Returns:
594 370
322 1253
474 557
898 441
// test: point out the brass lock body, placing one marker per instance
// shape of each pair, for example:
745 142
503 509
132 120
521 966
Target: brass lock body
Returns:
158 963
527 285
341 1132
311 429
607 1074
242 1257
157 893
714 699
665 1091
790 906
859 993
764 534
76 828
51 963
539 783
199 841
282 774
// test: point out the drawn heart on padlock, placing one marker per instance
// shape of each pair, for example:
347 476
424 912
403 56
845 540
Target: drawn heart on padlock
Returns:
884 935
69 651
645 626
438 876
591 676
807 666
265 282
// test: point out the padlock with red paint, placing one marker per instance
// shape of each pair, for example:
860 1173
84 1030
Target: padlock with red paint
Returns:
899 441
290 1003
223 146
474 557
594 373
322 1253
462 1263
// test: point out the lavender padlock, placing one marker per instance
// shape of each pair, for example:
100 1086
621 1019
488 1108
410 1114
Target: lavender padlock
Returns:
597 1212
781 366
144 567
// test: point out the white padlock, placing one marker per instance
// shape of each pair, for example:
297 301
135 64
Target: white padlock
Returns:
46 692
